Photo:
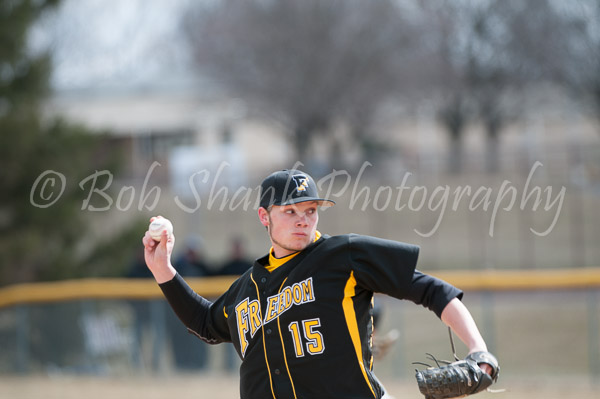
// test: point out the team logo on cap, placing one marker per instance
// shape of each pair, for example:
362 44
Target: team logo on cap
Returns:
301 182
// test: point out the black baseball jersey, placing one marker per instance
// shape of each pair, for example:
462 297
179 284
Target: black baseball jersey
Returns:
304 329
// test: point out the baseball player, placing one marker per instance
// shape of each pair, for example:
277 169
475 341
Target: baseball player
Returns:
299 318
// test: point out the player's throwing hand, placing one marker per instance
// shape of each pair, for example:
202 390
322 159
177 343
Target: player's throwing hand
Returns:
158 254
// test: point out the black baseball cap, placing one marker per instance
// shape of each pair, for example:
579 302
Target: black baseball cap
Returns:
290 186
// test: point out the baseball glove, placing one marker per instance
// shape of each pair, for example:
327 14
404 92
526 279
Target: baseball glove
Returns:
459 378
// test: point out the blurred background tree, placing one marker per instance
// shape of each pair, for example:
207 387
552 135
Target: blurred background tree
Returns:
442 73
55 242
482 59
580 49
306 64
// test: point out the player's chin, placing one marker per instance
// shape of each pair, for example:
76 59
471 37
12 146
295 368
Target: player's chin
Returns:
299 242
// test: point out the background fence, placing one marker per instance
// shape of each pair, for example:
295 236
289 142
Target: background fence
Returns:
541 324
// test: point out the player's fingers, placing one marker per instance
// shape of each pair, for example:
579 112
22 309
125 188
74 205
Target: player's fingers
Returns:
164 238
148 241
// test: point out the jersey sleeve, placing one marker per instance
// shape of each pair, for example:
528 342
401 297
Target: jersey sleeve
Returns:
389 267
431 292
203 318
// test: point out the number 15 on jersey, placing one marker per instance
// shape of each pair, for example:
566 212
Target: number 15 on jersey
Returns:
311 337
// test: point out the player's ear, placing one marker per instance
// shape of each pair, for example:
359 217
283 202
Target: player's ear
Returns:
263 216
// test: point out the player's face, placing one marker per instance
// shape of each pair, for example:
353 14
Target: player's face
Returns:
291 227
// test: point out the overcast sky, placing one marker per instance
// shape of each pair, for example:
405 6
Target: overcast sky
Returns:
113 43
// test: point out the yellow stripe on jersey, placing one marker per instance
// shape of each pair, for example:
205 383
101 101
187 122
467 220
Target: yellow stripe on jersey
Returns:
350 314
264 346
274 262
283 346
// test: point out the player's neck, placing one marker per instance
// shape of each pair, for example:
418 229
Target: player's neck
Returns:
279 251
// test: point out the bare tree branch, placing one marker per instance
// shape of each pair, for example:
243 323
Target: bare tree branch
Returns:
307 63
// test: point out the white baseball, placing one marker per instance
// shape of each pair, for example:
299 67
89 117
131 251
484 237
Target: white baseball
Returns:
158 225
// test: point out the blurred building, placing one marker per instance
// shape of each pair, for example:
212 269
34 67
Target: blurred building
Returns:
180 128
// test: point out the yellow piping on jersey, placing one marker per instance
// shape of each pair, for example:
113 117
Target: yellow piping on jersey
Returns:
283 347
264 344
372 331
350 314
225 313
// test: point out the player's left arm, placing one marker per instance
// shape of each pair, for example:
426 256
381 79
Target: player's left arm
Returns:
456 316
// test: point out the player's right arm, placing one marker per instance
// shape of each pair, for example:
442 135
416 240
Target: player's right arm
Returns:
195 312
203 318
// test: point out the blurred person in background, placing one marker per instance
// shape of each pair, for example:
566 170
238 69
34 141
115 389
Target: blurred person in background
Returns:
191 262
237 263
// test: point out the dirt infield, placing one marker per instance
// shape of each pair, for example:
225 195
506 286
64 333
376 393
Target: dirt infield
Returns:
219 386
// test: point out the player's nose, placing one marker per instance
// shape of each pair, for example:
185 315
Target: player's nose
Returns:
302 219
